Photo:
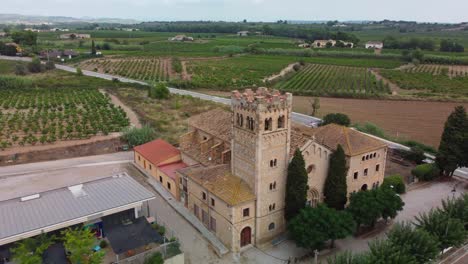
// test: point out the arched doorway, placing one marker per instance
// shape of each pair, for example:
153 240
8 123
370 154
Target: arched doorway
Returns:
245 236
364 187
314 197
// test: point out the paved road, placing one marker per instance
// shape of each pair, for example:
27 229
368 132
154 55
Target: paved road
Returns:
296 117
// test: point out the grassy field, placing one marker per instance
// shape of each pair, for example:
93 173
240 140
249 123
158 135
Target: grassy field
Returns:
317 79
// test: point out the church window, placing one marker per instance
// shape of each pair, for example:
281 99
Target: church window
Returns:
271 226
281 122
310 168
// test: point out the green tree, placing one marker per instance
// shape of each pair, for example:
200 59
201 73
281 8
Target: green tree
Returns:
27 38
448 231
452 150
315 106
30 250
93 47
35 65
312 227
336 189
296 186
390 203
158 91
79 72
20 69
394 182
426 172
138 136
79 242
365 207
457 208
348 257
336 118
385 252
414 242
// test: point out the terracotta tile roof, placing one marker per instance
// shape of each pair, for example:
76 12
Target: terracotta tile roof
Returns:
216 122
352 141
219 181
157 151
298 139
171 168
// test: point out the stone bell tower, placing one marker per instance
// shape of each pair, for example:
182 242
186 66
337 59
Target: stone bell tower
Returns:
261 130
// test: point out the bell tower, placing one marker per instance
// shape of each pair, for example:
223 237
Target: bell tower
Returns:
261 132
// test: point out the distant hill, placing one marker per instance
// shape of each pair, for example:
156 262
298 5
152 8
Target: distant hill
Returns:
38 20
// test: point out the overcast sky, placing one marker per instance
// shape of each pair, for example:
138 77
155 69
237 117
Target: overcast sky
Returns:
252 10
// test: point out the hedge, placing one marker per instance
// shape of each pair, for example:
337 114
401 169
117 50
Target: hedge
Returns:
426 172
396 181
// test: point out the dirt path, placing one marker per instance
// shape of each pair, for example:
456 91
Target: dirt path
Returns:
395 89
131 115
288 69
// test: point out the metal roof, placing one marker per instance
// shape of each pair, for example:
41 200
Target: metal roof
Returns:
58 206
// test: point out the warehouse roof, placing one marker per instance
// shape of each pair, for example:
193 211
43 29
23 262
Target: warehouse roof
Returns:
54 209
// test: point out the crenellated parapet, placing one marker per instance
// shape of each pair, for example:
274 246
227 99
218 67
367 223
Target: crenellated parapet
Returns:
262 100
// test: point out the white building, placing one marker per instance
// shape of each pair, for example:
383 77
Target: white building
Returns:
374 45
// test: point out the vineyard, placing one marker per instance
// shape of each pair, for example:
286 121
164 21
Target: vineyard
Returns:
146 69
435 69
45 115
318 79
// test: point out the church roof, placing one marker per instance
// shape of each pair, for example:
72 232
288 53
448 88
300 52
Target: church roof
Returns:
219 181
352 141
216 122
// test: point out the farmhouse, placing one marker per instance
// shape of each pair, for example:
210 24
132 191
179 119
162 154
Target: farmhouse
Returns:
181 38
237 160
323 43
374 45
243 33
3 34
46 202
75 36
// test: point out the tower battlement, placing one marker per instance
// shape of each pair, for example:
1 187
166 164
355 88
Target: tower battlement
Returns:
262 99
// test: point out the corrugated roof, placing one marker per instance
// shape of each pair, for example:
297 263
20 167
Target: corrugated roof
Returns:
219 181
157 151
61 205
171 168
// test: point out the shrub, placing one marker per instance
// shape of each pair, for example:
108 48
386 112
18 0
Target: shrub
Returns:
137 136
50 65
396 181
79 72
426 172
416 155
103 244
20 69
35 66
161 230
155 258
159 91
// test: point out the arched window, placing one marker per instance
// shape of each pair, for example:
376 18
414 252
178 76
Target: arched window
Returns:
367 157
241 120
310 168
268 124
271 163
363 158
271 226
364 187
275 162
281 122
375 154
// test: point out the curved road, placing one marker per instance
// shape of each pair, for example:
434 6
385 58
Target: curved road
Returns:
296 117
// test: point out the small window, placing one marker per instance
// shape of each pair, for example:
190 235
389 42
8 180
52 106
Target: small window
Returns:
212 202
367 157
310 168
151 167
271 207
195 210
377 167
281 122
356 174
139 158
275 162
375 154
246 212
366 171
213 224
271 163
169 185
160 179
271 226
204 195
363 158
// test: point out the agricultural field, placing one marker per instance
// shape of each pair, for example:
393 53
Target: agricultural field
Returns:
146 69
29 116
453 71
317 79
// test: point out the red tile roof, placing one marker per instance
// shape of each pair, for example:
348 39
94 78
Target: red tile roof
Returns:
157 151
171 168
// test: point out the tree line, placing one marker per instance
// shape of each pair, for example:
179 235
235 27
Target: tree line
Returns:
446 45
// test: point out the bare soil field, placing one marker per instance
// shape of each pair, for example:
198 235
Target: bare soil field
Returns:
416 120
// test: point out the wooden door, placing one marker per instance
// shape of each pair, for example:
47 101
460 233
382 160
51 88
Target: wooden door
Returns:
246 235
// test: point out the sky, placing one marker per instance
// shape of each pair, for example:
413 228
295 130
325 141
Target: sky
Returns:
253 10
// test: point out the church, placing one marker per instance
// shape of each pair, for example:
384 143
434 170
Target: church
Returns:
230 169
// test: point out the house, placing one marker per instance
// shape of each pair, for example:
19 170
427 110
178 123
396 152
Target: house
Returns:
323 43
3 34
238 159
58 54
161 160
70 53
374 45
75 36
243 33
347 44
47 202
181 38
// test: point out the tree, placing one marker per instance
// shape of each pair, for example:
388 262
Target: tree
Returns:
93 48
315 105
336 118
20 69
394 182
426 172
27 38
79 242
35 65
348 257
448 231
390 203
50 65
158 91
453 144
312 227
296 186
336 189
416 154
414 242
79 72
30 250
457 208
385 252
138 136
365 208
